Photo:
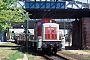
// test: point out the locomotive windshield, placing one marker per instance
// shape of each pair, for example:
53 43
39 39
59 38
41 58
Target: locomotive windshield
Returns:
40 23
52 31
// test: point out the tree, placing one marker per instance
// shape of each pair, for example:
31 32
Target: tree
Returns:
9 12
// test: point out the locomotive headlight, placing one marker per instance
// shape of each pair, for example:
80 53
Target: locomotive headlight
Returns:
57 45
50 25
51 44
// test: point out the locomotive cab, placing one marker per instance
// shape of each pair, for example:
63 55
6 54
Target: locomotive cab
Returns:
50 37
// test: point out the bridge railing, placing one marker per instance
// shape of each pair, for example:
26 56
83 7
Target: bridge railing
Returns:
77 5
53 5
45 5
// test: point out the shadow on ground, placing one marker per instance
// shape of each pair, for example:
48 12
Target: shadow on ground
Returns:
72 48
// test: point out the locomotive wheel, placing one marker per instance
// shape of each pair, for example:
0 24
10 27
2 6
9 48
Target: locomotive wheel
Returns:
54 50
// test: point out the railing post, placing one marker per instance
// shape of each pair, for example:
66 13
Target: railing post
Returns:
27 35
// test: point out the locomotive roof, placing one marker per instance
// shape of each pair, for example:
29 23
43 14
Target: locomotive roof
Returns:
43 19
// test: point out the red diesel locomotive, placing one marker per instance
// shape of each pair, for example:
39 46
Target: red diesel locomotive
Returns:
46 36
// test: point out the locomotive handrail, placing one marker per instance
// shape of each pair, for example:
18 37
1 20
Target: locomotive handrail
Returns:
44 40
34 40
52 40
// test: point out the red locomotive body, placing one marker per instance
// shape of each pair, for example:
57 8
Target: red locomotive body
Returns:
38 26
50 33
46 35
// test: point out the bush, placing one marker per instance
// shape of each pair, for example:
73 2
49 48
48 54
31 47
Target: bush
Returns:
16 55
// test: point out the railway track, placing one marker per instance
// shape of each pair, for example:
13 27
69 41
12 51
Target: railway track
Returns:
54 57
43 56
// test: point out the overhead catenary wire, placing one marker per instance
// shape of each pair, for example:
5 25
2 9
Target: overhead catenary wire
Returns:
49 13
46 13
54 14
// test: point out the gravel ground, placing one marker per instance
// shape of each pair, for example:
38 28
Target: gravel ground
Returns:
72 56
76 55
39 58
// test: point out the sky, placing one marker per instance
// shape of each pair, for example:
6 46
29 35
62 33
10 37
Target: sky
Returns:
84 1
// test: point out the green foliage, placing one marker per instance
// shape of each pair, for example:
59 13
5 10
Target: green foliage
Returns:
9 12
30 56
16 55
